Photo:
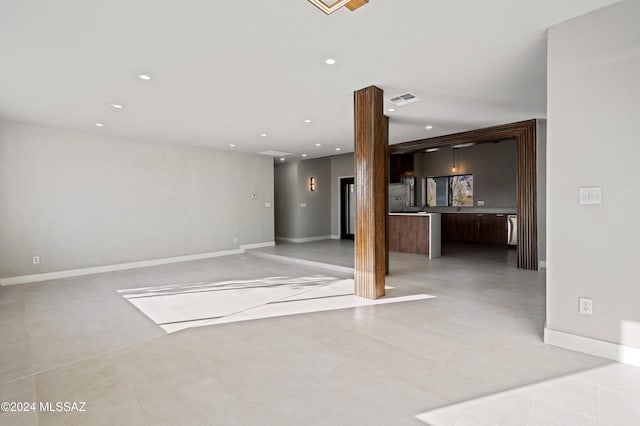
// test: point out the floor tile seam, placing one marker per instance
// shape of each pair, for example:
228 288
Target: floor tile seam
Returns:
609 388
490 378
96 355
535 399
557 405
503 393
302 262
533 407
397 348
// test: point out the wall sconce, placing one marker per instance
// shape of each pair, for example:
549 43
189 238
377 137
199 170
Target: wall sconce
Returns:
312 184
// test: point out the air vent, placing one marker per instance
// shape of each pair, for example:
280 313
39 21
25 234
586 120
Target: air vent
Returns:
404 99
275 153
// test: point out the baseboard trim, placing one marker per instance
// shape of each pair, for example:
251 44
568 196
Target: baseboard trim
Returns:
608 350
25 279
257 245
305 239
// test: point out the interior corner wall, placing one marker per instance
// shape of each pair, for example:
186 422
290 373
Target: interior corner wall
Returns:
341 166
541 181
80 200
286 200
593 135
300 212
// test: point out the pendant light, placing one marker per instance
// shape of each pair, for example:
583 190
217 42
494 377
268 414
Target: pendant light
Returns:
453 164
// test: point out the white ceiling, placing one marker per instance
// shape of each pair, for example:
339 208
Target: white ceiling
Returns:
226 71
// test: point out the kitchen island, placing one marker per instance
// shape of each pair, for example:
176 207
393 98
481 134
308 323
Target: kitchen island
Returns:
415 233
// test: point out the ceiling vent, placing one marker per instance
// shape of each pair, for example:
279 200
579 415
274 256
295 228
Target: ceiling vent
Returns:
404 99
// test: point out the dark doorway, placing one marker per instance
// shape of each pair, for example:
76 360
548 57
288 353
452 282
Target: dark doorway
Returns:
347 208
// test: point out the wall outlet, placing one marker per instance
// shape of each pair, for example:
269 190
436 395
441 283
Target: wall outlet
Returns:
267 204
36 260
235 239
480 203
591 195
303 204
586 306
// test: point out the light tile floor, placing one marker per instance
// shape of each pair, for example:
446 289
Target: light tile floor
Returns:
470 355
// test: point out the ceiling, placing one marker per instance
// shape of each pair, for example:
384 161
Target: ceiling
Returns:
225 72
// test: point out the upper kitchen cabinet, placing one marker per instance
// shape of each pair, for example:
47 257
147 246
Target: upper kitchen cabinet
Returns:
400 166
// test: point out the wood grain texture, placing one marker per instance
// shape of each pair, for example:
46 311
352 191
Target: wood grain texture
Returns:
386 197
409 234
371 157
400 166
526 176
354 4
475 227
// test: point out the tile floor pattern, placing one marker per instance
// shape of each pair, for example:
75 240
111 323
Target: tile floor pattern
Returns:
471 355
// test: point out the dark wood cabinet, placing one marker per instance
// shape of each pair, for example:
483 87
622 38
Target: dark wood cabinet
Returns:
475 227
409 234
400 165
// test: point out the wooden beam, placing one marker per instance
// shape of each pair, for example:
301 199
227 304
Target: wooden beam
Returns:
371 163
526 176
354 4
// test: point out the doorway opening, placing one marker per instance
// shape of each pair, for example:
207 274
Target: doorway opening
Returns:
347 208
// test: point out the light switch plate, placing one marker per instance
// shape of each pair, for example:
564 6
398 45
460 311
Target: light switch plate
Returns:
591 195
303 204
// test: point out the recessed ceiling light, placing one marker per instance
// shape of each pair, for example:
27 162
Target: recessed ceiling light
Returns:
330 61
264 135
429 127
304 155
391 109
117 106
145 77
318 144
338 149
99 125
232 145
307 121
282 159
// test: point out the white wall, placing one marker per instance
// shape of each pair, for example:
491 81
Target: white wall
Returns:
594 140
80 200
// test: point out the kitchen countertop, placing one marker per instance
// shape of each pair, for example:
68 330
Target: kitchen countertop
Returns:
413 214
485 210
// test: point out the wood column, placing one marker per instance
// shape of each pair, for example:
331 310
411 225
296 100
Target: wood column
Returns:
386 196
371 165
527 206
